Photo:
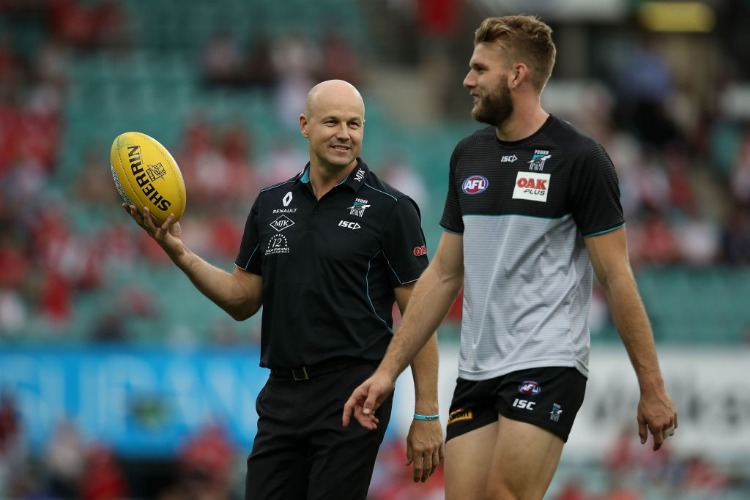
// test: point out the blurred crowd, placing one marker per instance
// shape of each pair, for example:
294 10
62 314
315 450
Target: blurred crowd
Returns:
685 191
74 466
630 471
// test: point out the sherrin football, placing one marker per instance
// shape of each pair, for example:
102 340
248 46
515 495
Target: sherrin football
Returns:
146 175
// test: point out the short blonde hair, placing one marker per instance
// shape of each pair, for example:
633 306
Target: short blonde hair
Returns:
525 39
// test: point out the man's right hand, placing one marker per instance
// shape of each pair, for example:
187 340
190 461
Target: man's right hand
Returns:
167 235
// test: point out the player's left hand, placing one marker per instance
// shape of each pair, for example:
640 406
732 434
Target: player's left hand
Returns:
424 448
657 414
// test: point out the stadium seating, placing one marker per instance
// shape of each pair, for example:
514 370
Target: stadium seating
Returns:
154 87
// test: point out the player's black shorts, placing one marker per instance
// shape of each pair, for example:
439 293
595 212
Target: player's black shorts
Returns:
546 397
301 450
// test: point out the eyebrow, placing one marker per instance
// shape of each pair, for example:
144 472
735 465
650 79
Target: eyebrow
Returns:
334 117
478 65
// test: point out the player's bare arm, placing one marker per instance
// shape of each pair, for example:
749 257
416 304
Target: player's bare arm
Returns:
656 411
238 293
431 299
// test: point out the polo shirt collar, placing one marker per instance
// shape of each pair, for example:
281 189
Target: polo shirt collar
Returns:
355 180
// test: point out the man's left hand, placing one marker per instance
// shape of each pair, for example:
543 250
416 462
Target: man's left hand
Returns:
424 448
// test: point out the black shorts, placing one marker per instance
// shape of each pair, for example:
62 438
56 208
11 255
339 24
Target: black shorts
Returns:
546 397
301 450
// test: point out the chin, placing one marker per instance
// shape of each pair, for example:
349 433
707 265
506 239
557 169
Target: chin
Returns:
476 114
341 162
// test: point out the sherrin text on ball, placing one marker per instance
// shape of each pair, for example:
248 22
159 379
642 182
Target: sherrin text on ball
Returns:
146 175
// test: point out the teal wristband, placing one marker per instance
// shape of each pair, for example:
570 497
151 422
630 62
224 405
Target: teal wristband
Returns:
417 416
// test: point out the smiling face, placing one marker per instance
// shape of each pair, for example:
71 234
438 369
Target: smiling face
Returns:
333 124
487 82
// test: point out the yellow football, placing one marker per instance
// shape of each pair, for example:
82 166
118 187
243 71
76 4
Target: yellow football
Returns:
146 175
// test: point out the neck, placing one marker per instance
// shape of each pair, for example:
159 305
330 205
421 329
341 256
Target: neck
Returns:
524 122
323 179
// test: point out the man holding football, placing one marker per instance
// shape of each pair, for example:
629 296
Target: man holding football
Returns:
326 254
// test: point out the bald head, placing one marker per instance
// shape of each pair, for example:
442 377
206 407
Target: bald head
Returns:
333 93
333 123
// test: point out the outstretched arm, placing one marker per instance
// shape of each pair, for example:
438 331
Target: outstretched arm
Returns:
238 293
430 301
609 256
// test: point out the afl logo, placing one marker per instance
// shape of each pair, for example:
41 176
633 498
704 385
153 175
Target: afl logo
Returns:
474 184
530 388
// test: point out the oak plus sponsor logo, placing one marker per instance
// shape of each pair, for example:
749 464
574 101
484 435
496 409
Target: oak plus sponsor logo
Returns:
532 186
419 251
281 222
278 244
475 184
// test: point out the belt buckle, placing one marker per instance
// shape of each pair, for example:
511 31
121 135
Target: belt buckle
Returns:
300 374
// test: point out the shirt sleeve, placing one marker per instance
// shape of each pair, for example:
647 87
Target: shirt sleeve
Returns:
404 243
596 197
451 219
250 257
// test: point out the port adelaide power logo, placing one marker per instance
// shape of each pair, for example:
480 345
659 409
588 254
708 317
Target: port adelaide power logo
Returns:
359 207
533 184
357 210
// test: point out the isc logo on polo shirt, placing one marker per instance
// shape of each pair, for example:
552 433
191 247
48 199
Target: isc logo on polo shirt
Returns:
532 186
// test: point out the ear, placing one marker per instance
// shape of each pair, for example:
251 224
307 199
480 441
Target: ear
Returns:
303 126
519 74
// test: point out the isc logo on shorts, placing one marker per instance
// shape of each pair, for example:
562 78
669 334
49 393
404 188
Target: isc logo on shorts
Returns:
523 404
532 186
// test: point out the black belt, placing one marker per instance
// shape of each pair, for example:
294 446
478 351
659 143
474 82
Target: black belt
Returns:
316 370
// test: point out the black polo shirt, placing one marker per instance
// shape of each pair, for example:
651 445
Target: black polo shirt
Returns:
329 266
